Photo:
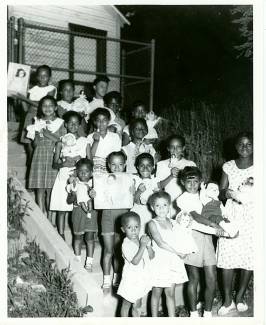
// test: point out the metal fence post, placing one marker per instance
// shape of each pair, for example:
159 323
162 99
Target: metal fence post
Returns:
152 73
123 72
11 40
21 40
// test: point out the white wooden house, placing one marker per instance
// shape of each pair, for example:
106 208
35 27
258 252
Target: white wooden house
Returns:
66 51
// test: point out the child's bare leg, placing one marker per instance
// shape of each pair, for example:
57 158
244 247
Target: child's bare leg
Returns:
116 255
40 198
77 244
29 151
60 223
108 241
210 281
136 308
155 299
125 308
90 243
193 275
51 216
170 300
245 276
227 275
48 197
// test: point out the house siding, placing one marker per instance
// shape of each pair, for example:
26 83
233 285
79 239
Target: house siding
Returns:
42 47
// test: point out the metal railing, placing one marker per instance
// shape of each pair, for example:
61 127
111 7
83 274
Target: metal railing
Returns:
80 56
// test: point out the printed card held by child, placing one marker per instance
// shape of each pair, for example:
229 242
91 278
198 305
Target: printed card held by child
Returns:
114 191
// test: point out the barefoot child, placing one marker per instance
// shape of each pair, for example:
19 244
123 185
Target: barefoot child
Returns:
137 253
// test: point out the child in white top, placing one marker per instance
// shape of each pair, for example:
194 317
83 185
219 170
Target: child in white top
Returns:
167 171
65 158
35 94
137 253
138 130
167 266
139 110
102 142
205 258
145 185
113 101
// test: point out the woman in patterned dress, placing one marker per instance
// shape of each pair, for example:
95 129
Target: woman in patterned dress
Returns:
238 252
42 175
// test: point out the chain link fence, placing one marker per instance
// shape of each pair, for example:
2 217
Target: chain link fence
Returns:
81 56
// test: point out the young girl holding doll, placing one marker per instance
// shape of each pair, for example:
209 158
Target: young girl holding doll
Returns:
111 223
238 252
65 157
45 132
205 258
137 253
35 94
102 142
167 170
138 130
84 224
167 266
146 184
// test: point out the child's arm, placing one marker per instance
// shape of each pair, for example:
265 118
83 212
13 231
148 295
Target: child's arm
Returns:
200 219
84 207
138 193
94 146
206 229
125 139
159 241
71 197
144 240
174 174
150 250
88 152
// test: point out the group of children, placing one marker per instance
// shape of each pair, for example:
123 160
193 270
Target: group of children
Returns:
167 233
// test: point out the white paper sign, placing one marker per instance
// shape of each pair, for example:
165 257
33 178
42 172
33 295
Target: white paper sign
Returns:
18 78
113 191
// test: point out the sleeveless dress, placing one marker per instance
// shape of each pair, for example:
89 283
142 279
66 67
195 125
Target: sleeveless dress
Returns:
59 193
42 174
167 268
238 252
135 282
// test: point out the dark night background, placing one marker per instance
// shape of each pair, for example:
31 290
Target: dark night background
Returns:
195 55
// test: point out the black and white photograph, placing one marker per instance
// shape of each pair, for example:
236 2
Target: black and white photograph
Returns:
131 185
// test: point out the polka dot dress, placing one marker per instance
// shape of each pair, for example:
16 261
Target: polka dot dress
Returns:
237 252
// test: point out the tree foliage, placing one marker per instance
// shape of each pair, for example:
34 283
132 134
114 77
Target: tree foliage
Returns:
243 16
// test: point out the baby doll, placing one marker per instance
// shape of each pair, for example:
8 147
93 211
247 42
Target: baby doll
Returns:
81 105
68 143
82 193
37 126
244 193
214 210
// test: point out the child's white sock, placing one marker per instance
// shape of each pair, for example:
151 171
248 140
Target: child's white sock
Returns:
78 258
89 260
194 314
207 314
107 279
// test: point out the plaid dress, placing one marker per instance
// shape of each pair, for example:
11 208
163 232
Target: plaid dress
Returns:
42 175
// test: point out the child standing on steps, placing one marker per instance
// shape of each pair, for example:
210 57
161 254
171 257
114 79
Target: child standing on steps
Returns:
138 130
205 258
45 132
111 224
35 94
167 170
167 266
102 142
137 253
84 225
65 161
